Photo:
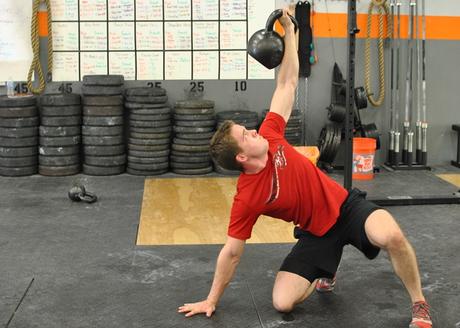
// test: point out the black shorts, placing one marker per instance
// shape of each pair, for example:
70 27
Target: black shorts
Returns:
315 257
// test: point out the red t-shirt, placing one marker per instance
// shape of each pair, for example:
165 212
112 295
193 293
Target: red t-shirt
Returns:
290 187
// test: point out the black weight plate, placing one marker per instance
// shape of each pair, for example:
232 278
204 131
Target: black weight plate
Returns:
134 105
18 151
149 124
150 117
59 141
61 120
207 123
202 135
147 160
18 171
194 111
102 110
19 132
102 100
145 91
59 99
236 115
188 153
336 113
102 140
59 171
60 111
18 161
151 167
190 159
19 122
196 117
194 142
199 165
163 129
99 90
151 111
59 160
194 104
205 170
104 150
163 135
140 153
147 148
147 99
59 151
103 120
15 112
145 172
360 98
99 79
114 160
291 130
186 129
190 148
18 142
149 142
219 169
294 122
116 130
60 131
103 170
20 101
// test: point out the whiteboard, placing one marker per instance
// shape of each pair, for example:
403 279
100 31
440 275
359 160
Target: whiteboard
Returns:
158 39
15 46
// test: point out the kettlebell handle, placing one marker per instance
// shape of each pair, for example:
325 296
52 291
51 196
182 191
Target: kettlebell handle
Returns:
274 16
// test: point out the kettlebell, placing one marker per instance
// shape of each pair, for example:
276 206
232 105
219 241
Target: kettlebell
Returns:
266 45
78 193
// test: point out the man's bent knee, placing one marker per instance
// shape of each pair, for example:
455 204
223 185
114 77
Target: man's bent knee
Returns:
283 305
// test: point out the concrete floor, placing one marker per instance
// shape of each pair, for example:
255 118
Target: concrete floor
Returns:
65 264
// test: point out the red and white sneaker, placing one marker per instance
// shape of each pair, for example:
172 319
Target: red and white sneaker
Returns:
325 285
420 315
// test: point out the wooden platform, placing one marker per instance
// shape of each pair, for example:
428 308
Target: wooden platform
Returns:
187 211
451 178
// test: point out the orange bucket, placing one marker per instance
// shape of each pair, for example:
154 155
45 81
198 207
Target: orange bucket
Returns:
363 158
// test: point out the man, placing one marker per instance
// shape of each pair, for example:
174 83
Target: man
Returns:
278 181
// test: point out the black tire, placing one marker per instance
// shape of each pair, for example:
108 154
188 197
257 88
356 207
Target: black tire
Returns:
59 171
25 101
59 131
19 122
60 99
145 91
116 130
114 160
61 111
18 151
103 170
59 151
17 112
61 120
19 142
103 111
99 90
104 150
59 160
103 100
18 171
19 132
18 161
103 120
102 140
200 171
101 80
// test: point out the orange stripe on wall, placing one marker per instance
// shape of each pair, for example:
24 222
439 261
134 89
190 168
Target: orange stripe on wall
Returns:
42 23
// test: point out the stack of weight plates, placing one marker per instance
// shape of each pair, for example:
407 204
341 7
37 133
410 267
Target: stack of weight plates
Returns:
194 126
103 131
149 139
293 132
18 136
60 134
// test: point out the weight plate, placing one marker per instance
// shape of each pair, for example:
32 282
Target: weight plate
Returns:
198 165
103 140
360 98
61 111
103 120
16 112
134 105
18 171
18 161
194 117
147 160
336 113
59 151
18 142
114 160
19 132
147 99
151 111
194 142
102 100
149 142
59 171
150 117
102 110
104 150
145 172
59 99
190 159
148 148
200 135
163 135
194 111
148 167
59 141
205 170
163 129
219 169
149 124
186 129
116 130
99 90
61 120
99 79
207 123
140 153
194 104
103 170
19 101
59 160
237 115
18 151
188 153
19 122
60 131
145 91
190 148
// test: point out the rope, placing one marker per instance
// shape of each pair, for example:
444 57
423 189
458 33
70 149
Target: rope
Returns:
382 8
35 40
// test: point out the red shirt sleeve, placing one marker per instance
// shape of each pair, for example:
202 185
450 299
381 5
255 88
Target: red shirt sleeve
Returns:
242 220
273 127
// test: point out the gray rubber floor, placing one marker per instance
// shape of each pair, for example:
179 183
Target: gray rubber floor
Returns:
65 264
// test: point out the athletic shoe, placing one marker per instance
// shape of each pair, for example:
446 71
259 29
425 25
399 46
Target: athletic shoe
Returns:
325 285
420 315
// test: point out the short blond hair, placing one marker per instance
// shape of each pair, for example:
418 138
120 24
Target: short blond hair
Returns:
224 148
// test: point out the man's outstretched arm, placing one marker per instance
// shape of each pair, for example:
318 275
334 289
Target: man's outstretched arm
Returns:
288 74
227 262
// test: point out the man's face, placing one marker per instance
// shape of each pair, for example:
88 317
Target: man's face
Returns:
252 143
